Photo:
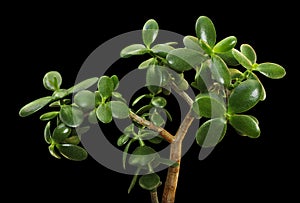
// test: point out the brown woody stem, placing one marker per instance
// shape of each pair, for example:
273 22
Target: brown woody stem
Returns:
154 197
164 133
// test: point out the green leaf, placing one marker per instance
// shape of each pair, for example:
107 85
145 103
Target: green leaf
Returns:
83 85
271 70
133 181
228 58
211 132
60 133
74 139
146 64
154 79
85 99
242 59
47 132
92 117
59 94
205 30
119 109
133 49
192 42
249 52
149 181
105 86
183 59
72 152
104 113
209 105
52 80
157 119
125 152
162 49
53 151
246 95
142 156
140 98
235 74
245 125
72 116
203 78
115 80
263 93
220 71
159 102
49 115
149 32
225 45
123 139
205 46
34 106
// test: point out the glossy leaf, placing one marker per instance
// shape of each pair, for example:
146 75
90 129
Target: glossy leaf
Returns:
146 64
211 132
228 58
119 109
72 152
105 86
53 151
154 79
134 49
133 181
159 102
225 45
115 80
104 113
205 46
157 119
125 152
92 117
209 105
85 99
205 30
162 49
245 125
249 52
149 181
149 32
49 115
74 139
192 42
220 71
34 106
123 139
242 59
246 95
203 78
142 156
85 84
263 92
183 59
271 70
72 116
47 132
60 133
52 80
235 74
140 98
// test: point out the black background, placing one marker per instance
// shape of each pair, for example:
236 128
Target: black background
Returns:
60 37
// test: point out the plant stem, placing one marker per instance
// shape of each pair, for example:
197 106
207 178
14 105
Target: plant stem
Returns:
154 197
175 155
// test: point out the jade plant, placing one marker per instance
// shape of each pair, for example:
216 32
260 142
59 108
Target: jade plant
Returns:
226 82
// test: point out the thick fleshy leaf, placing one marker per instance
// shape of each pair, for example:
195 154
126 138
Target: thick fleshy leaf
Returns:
271 70
105 86
104 113
245 125
47 132
142 156
235 74
59 94
92 117
60 133
53 151
72 152
154 79
133 49
125 152
49 115
192 42
139 98
242 59
115 80
159 102
157 119
34 106
74 139
246 95
149 181
149 32
203 79
228 58
205 46
85 99
220 71
72 116
183 59
263 92
205 30
249 52
209 105
180 81
119 109
162 49
123 139
83 85
134 179
225 45
211 132
146 64
52 80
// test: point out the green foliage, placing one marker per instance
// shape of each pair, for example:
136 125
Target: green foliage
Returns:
225 79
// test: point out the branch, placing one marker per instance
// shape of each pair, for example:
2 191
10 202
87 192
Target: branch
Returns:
183 94
164 133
